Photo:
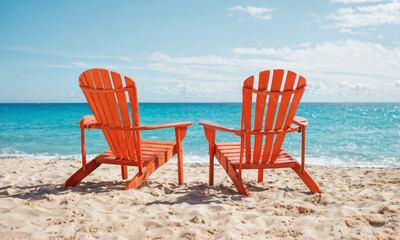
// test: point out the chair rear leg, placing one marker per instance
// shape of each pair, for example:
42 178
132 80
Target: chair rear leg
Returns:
307 179
79 175
139 178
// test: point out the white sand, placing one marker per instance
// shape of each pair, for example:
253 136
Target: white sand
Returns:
356 203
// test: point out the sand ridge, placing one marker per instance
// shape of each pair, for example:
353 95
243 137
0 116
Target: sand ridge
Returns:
356 203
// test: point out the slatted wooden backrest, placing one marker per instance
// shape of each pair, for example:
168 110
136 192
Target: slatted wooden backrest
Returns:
277 99
106 96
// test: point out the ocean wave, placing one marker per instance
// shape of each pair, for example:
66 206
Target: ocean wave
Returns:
11 153
352 162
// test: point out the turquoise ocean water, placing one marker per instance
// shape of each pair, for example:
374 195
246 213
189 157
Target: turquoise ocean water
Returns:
339 134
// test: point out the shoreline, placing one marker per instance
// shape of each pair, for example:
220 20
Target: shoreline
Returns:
355 203
173 160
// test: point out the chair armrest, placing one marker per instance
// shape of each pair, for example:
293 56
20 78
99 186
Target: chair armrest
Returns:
88 121
91 122
300 121
160 126
211 125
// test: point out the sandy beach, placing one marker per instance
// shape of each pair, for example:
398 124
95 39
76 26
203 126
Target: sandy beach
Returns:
356 203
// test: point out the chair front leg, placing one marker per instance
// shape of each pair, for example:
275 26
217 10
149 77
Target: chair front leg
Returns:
303 149
180 133
210 135
83 146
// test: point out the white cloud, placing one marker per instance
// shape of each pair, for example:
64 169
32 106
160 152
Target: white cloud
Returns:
374 15
181 89
349 31
212 62
263 51
254 12
206 68
62 54
305 44
355 1
119 67
190 71
76 96
185 89
80 64
348 89
318 88
83 65
210 59
316 17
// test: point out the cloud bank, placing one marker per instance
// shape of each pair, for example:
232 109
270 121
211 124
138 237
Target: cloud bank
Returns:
257 13
348 70
360 16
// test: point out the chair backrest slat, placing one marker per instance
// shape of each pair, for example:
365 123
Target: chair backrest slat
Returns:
95 105
107 111
290 115
135 116
271 111
295 102
282 113
110 108
123 107
281 108
115 116
246 118
259 114
133 102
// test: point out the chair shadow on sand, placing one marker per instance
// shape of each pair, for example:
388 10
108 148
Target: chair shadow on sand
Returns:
255 188
192 193
34 192
199 193
37 192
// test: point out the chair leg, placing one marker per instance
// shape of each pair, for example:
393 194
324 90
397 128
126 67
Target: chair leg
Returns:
79 175
179 135
307 179
124 172
211 170
139 178
180 165
260 175
237 180
210 136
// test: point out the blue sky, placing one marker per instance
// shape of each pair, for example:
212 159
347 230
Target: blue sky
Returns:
200 51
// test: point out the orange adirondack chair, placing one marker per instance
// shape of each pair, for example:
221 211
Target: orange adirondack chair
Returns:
107 99
265 152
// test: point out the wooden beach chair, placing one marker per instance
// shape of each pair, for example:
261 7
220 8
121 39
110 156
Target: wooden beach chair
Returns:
106 96
261 139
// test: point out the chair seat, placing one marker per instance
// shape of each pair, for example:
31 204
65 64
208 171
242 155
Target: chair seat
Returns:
159 150
230 151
